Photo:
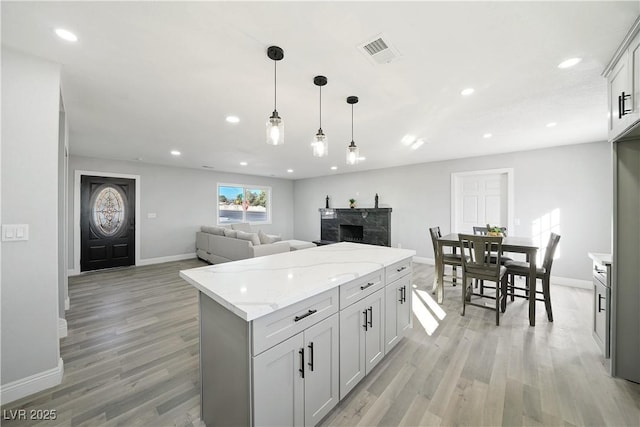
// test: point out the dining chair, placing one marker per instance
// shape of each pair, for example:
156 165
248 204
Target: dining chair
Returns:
520 268
477 263
452 259
483 231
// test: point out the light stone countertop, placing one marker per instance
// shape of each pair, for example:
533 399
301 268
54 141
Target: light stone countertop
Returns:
254 287
604 259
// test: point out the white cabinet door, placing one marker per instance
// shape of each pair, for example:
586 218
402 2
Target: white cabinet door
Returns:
393 296
618 83
374 335
278 384
405 314
321 390
352 337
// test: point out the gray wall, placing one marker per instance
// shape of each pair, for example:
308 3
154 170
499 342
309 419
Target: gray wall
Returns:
576 179
30 107
183 200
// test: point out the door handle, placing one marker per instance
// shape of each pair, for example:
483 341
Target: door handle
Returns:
404 294
301 370
600 298
365 319
370 310
401 296
310 356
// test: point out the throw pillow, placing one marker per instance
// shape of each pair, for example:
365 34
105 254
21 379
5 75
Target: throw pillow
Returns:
242 226
252 237
230 233
213 230
266 238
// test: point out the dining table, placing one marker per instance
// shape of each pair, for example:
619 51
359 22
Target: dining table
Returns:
515 244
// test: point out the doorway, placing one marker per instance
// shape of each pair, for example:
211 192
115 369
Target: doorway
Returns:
107 222
131 198
482 197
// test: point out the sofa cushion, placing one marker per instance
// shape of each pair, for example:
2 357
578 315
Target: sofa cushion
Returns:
251 237
230 233
242 226
265 238
218 231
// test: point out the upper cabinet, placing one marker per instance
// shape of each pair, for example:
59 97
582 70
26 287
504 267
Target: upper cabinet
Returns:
623 82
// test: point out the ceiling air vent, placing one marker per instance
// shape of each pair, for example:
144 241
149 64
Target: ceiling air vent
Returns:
378 50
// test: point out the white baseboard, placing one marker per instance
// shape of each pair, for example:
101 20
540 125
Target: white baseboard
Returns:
573 283
160 260
62 328
555 280
67 304
150 261
32 384
423 260
72 272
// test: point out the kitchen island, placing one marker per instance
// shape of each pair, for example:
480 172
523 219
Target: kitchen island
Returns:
284 337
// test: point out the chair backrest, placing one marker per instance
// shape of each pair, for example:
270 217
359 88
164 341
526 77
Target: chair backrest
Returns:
478 252
550 252
482 231
435 234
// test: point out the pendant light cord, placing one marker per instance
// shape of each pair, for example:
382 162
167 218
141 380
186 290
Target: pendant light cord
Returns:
275 83
351 122
320 107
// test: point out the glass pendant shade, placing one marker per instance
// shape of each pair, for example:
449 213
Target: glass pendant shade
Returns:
320 145
275 129
353 154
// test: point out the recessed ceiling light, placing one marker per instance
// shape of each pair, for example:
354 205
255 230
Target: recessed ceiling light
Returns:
333 168
569 62
487 135
408 139
289 170
243 163
175 152
417 144
362 159
232 119
552 124
66 35
467 91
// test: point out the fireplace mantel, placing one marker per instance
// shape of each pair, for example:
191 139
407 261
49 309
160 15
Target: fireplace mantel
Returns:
360 225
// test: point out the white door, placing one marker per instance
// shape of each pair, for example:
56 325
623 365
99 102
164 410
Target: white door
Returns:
279 384
321 391
480 199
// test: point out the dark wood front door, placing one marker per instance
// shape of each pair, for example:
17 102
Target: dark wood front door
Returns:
107 222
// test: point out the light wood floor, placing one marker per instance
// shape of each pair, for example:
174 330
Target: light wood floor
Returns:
131 358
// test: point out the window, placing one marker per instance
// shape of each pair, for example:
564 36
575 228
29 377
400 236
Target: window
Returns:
244 203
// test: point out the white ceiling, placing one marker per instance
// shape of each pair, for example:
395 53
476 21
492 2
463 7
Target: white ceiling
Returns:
149 77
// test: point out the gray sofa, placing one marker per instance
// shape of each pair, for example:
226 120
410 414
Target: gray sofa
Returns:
237 241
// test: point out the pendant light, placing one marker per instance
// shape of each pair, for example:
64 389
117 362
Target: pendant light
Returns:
275 125
353 153
320 145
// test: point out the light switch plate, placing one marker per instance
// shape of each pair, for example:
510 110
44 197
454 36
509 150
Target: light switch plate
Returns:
151 215
15 232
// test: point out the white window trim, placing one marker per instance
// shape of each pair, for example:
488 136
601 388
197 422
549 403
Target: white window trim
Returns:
244 187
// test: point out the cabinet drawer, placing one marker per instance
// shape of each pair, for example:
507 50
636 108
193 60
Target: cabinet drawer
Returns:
286 322
360 288
398 270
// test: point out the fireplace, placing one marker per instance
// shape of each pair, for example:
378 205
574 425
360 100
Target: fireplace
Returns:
360 225
351 233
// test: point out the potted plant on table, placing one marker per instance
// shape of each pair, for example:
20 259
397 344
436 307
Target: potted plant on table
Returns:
352 203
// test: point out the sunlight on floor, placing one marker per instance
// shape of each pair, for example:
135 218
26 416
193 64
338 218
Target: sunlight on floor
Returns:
427 311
